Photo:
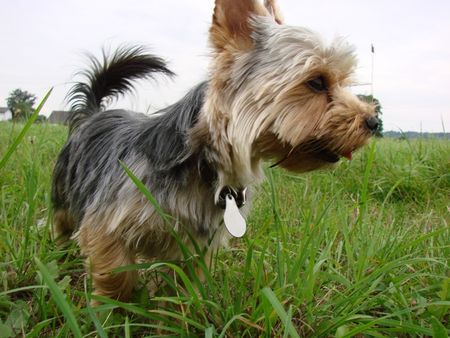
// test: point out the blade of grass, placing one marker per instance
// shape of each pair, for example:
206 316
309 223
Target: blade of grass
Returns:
59 298
25 129
281 238
142 188
99 328
127 328
209 332
272 298
439 330
159 328
228 324
286 323
38 328
24 288
361 262
177 316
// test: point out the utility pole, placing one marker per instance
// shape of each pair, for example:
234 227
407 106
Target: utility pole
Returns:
373 61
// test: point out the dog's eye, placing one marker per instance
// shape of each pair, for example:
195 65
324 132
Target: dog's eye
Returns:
318 84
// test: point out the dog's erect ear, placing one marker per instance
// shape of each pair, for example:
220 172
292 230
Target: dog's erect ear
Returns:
274 10
231 25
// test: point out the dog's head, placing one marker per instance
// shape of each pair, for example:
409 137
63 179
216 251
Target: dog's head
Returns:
279 93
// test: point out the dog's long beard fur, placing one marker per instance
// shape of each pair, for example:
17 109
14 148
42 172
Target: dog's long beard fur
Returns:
258 104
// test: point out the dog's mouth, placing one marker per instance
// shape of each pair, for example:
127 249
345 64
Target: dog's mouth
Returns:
326 156
312 155
332 157
319 149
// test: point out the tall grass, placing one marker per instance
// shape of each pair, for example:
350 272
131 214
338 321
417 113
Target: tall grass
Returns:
359 250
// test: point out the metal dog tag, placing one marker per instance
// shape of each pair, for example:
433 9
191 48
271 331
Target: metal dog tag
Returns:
233 219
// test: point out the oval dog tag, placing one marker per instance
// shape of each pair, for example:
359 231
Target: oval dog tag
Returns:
233 219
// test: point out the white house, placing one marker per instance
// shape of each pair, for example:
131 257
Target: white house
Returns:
5 114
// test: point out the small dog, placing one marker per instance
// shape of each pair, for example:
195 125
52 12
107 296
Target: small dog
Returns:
275 93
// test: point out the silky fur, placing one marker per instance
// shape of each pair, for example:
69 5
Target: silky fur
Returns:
255 106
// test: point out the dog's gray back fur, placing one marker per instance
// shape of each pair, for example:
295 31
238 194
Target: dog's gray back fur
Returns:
156 148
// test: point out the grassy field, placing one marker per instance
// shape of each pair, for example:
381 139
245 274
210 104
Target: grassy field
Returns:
361 250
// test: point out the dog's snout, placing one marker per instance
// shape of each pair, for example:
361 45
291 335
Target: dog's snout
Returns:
372 123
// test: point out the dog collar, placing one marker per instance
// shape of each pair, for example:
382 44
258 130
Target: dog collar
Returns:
239 196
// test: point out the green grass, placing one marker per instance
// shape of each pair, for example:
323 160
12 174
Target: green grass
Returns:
361 250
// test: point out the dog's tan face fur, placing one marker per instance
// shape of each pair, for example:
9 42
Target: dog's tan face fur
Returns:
260 106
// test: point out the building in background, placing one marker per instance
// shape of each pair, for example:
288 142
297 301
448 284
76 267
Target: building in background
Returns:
58 116
5 114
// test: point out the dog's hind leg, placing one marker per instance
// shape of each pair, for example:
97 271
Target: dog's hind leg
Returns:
106 252
63 225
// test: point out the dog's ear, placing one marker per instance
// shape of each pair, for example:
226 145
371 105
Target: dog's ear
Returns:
274 11
231 21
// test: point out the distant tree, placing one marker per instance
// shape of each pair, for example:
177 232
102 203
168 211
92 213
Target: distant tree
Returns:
20 102
376 102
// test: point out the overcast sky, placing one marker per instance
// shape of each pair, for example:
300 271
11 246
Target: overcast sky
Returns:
42 45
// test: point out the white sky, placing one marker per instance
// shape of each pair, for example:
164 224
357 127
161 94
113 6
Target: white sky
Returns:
42 45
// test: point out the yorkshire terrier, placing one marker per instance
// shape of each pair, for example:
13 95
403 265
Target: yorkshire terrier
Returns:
275 94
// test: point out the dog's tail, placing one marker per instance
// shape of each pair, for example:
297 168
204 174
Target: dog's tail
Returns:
110 77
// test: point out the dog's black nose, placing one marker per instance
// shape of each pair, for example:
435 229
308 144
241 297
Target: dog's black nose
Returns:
372 123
